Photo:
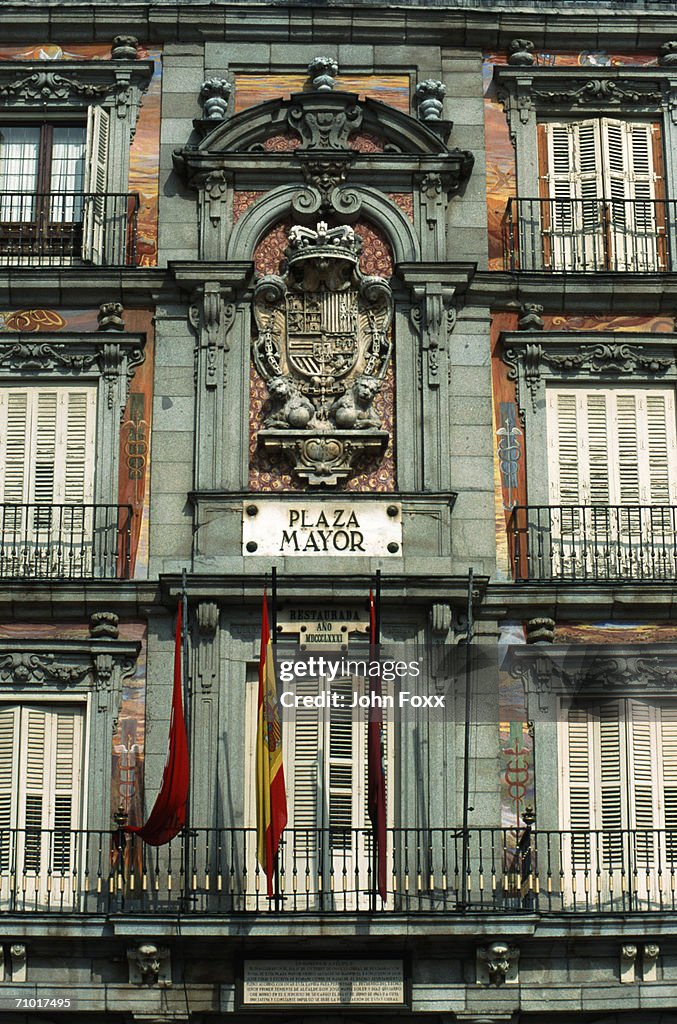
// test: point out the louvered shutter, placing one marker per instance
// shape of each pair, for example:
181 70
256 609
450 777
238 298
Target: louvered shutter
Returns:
668 771
96 177
9 760
630 181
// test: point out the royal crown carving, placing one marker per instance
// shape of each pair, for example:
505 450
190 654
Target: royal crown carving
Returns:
323 349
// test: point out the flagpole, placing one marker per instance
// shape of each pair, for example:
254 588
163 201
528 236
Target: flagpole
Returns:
187 717
466 745
375 642
273 623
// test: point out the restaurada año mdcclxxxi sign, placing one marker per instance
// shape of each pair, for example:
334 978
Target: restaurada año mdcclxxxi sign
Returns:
355 528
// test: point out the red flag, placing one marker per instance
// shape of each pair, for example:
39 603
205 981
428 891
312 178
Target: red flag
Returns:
271 799
169 811
376 780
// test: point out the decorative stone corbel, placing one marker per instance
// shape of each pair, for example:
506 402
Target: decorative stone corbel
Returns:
667 55
627 963
110 316
149 965
435 317
18 958
215 194
429 99
104 625
521 52
103 668
322 71
207 626
214 96
440 620
124 48
530 319
497 964
650 953
540 631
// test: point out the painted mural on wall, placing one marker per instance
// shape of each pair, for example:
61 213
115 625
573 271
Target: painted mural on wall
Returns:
251 89
515 740
127 749
145 148
500 155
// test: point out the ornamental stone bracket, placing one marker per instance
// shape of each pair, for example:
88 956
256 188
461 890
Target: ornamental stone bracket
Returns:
150 965
535 357
497 964
435 290
212 313
325 460
75 84
207 620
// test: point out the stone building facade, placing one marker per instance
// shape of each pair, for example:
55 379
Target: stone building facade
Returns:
338 289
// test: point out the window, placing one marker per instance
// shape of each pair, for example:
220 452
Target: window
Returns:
47 437
40 796
327 843
54 206
601 184
613 481
619 793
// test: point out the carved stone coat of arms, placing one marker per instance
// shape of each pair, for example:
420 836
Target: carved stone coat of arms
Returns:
323 349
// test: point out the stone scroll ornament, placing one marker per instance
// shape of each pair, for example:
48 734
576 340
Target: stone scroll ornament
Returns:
323 349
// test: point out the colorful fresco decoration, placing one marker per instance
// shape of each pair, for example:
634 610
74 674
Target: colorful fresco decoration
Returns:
33 321
615 633
135 446
252 89
516 747
145 149
500 155
266 475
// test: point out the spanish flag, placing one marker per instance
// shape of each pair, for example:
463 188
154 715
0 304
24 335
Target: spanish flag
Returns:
271 800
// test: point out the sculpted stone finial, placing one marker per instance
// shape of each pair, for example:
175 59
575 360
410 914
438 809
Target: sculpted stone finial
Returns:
429 97
667 56
214 96
149 965
124 48
110 317
323 71
540 631
521 52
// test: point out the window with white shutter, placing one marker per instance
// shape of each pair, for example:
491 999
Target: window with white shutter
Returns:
47 443
612 456
40 794
94 234
619 787
328 835
602 185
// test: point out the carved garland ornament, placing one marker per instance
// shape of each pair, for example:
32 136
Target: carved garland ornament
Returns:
323 350
597 357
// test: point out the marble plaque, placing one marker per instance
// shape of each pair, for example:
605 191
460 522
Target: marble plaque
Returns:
323 982
321 528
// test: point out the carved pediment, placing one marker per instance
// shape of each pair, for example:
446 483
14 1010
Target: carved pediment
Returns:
73 83
323 121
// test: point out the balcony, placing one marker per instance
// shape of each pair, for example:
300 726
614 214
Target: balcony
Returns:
65 229
65 542
593 544
214 871
590 235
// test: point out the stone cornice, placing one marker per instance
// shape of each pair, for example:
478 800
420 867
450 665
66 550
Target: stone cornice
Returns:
72 83
649 294
409 22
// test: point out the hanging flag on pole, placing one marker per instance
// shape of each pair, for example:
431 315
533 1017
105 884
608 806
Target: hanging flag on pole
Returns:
271 799
376 781
168 815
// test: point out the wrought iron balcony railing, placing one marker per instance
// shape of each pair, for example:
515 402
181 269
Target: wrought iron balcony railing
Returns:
214 871
41 542
586 235
58 229
593 543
